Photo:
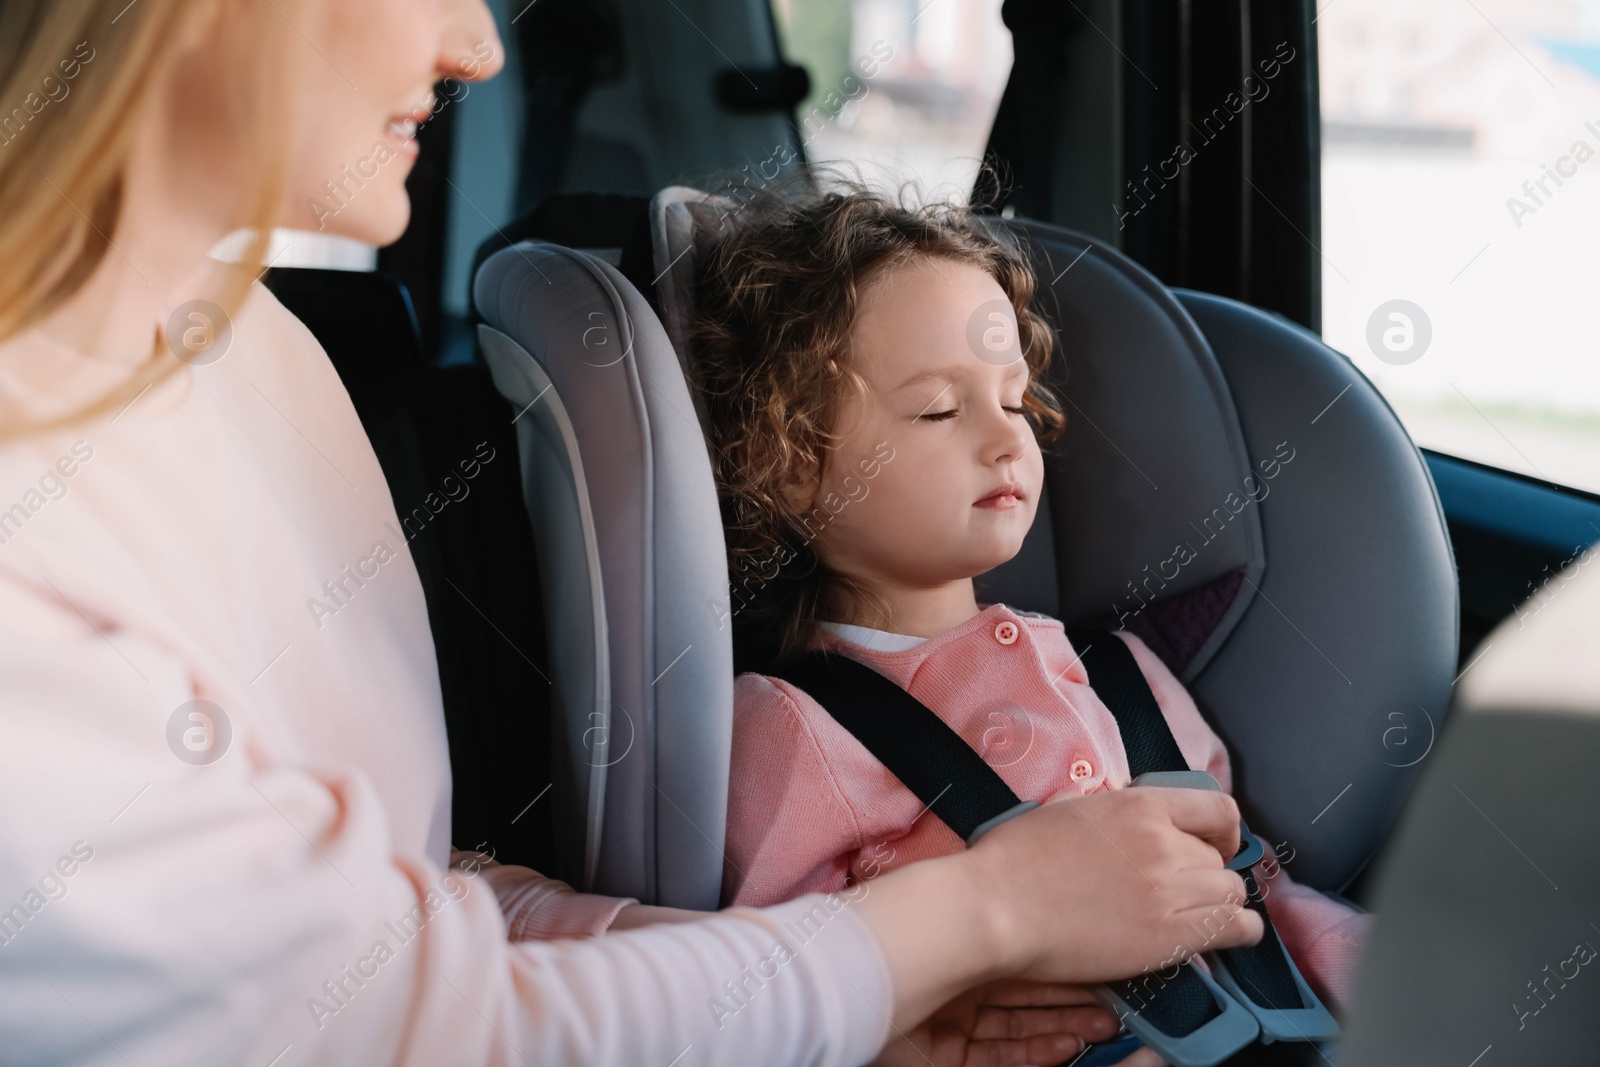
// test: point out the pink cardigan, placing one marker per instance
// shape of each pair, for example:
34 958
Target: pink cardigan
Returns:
810 810
284 896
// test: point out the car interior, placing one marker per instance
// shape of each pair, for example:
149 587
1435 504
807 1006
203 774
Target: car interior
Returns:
1170 172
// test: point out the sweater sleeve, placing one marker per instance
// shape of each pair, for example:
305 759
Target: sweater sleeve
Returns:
537 908
790 828
1323 936
158 905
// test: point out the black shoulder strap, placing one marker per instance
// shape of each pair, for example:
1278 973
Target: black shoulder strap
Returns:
904 734
1121 685
932 760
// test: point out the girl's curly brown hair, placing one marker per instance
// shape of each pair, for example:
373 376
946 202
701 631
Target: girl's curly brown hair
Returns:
774 303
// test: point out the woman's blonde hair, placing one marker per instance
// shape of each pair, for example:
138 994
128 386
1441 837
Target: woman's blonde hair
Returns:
76 79
774 303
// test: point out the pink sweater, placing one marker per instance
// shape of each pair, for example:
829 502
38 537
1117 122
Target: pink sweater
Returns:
811 810
264 879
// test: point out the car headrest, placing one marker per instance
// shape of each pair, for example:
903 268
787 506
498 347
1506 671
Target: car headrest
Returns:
632 569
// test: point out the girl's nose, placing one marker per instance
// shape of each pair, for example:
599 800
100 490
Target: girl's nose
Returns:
1008 435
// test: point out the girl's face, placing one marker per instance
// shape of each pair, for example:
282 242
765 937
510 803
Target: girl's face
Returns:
939 431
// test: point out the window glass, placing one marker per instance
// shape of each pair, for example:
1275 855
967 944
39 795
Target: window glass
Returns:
903 88
1460 210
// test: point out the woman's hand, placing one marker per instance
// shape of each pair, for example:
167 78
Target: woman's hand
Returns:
1087 889
1003 1024
1115 884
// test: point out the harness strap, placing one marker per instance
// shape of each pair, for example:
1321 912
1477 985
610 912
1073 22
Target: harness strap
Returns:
947 775
917 746
1121 686
1261 969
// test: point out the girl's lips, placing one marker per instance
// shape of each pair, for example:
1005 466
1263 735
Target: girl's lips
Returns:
1003 496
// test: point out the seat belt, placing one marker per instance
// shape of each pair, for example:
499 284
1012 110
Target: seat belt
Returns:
1190 1019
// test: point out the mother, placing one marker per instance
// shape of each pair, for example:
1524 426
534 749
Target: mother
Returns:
224 834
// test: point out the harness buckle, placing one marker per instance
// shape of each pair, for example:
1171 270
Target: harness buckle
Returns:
1250 847
1230 1030
1310 1023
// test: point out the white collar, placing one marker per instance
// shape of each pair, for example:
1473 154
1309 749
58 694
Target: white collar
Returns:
888 641
879 640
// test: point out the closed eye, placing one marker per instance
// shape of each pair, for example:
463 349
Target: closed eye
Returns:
940 416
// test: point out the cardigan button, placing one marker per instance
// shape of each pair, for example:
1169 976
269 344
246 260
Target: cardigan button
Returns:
1081 769
1006 632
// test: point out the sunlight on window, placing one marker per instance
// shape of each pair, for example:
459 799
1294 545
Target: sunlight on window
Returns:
906 89
1461 204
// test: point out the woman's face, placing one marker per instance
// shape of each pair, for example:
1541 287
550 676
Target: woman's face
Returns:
936 340
368 69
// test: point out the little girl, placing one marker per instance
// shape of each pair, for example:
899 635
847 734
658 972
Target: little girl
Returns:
874 377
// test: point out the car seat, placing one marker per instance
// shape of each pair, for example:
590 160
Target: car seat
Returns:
1228 487
1490 890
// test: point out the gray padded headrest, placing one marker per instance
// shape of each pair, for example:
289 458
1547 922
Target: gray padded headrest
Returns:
1151 432
1239 495
684 223
1330 688
618 483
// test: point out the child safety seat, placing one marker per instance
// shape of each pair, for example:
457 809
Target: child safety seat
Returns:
1228 487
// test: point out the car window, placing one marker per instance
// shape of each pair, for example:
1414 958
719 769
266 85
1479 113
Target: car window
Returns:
904 89
1460 198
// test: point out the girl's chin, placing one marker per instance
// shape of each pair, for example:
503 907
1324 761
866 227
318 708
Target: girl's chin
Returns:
985 559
